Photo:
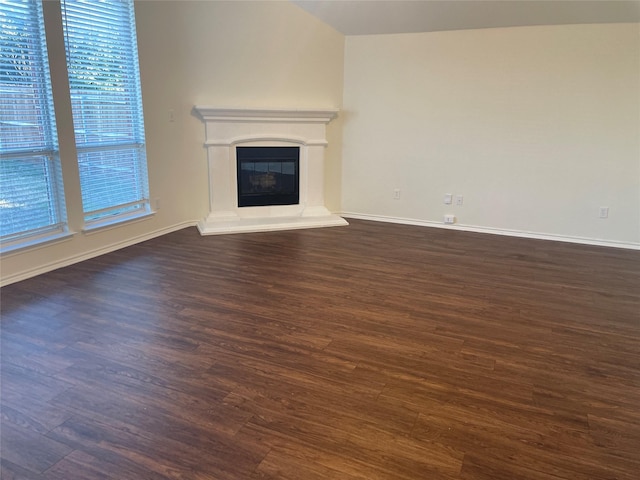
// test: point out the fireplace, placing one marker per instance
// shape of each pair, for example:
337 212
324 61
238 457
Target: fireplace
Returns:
268 176
266 169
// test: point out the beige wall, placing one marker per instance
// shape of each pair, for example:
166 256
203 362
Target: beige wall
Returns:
244 54
227 54
537 127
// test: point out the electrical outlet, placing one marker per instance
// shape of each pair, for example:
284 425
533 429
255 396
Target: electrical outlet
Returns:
459 199
172 115
604 212
448 198
449 219
396 194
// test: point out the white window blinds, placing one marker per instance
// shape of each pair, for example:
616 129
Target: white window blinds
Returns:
104 80
31 193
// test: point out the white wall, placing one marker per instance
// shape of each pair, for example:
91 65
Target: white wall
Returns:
227 54
251 54
537 127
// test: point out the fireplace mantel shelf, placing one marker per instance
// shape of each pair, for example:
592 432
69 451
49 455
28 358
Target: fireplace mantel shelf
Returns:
229 128
278 115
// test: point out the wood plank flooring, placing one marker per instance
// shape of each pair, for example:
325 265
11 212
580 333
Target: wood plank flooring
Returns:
373 351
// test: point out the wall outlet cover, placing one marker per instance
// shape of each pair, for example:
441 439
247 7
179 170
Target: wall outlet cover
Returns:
604 212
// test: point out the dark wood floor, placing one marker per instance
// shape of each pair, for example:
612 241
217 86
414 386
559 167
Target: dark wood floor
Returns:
373 351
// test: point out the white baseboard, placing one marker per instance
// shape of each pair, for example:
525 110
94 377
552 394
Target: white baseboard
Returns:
92 254
376 218
494 231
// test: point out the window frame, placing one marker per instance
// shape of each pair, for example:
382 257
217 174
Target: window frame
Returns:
116 29
38 150
52 38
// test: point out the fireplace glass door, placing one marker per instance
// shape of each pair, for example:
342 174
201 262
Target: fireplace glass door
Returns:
268 176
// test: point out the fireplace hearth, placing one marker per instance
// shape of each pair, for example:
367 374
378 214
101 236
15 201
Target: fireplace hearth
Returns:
251 192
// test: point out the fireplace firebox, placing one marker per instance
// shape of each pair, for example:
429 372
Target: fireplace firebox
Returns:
268 176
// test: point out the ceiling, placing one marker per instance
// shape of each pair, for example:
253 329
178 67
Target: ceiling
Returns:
366 17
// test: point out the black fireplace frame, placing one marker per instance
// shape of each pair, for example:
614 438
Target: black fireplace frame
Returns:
267 155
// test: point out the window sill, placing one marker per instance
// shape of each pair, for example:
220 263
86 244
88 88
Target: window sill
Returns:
34 242
107 224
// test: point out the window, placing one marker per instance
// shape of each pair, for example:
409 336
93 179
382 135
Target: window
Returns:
31 193
104 84
104 81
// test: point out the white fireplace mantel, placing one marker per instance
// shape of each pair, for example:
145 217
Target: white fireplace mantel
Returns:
228 128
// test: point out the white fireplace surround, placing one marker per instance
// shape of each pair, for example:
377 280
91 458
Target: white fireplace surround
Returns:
228 128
